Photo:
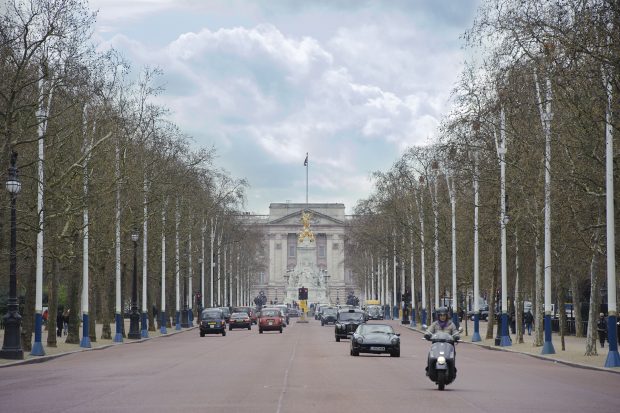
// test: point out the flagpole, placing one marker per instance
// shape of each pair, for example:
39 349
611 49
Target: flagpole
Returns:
306 181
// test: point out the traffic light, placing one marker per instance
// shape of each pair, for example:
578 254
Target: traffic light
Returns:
303 293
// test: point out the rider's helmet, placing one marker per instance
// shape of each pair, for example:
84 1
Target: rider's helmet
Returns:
442 311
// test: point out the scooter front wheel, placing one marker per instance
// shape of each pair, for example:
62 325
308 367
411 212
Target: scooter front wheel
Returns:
441 379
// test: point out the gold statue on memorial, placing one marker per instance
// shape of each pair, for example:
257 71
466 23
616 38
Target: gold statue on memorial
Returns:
306 232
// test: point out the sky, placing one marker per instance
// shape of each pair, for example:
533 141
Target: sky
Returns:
353 83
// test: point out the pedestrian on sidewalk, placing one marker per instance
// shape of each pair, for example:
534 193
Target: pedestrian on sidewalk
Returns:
528 319
601 327
65 321
59 323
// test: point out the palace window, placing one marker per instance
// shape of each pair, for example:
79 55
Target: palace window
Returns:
291 251
322 251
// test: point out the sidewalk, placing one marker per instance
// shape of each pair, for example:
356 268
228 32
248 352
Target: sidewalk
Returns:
573 354
65 348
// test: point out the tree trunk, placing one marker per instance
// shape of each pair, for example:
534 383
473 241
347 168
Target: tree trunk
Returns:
152 292
491 295
73 298
560 294
52 299
539 304
92 312
592 334
105 309
28 316
518 300
574 285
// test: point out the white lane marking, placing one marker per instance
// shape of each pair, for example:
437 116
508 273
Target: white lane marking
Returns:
285 384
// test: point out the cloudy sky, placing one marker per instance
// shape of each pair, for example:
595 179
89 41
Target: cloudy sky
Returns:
351 82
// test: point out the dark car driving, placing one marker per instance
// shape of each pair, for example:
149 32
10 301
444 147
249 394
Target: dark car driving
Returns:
347 322
227 313
212 321
374 312
328 315
375 338
240 320
250 312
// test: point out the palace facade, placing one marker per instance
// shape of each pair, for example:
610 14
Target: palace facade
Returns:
281 230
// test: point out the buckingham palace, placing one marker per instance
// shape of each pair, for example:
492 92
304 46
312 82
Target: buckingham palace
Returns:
316 261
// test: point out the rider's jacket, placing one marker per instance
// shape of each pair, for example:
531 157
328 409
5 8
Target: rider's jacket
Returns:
447 327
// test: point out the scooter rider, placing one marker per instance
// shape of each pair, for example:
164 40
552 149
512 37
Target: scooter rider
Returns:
443 324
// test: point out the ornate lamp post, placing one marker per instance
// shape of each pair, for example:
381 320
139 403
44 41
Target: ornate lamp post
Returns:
12 347
134 318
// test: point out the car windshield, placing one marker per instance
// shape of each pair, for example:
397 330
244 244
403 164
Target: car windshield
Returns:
374 309
351 316
375 328
242 310
270 313
329 311
239 315
226 311
211 315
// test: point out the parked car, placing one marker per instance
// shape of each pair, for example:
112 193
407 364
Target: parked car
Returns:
328 315
294 312
249 310
270 319
375 338
240 320
347 322
212 321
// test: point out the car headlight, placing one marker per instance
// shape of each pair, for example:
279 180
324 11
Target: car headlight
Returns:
395 340
441 360
359 339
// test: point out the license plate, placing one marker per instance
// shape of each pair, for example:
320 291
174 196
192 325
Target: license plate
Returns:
211 326
271 323
377 348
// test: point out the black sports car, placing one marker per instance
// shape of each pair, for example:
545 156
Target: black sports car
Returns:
347 322
375 338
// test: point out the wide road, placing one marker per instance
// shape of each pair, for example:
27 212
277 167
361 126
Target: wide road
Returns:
301 370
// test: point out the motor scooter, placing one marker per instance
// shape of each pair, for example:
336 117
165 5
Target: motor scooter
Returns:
441 362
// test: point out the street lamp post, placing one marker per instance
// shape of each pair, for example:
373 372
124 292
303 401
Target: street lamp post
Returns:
435 167
11 347
505 340
134 318
201 303
404 296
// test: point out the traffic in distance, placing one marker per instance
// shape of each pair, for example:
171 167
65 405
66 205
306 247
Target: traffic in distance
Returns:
350 322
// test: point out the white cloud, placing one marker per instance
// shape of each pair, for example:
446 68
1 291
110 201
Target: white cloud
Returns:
354 98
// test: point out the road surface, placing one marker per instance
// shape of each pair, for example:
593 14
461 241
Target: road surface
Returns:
302 370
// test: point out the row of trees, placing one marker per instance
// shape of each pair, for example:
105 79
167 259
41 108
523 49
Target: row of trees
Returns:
539 69
98 160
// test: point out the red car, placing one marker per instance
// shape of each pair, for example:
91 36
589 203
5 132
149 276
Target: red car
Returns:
270 319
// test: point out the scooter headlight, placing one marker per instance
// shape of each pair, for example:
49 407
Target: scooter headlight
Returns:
441 360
